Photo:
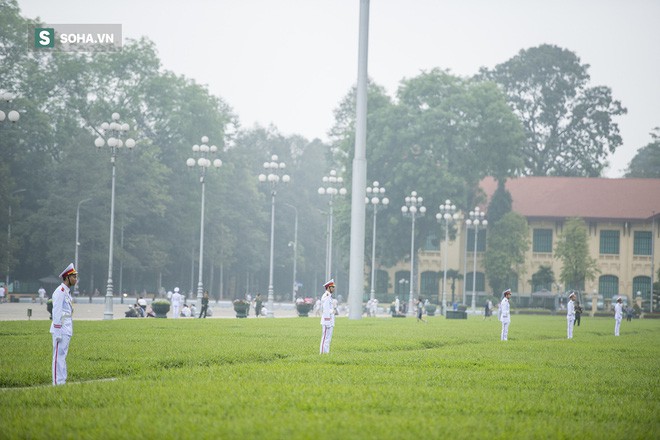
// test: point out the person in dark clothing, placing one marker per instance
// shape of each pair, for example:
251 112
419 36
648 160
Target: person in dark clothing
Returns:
205 304
578 313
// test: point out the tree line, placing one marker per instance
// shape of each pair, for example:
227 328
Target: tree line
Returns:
535 114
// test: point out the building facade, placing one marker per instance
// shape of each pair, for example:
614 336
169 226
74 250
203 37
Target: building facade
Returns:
623 222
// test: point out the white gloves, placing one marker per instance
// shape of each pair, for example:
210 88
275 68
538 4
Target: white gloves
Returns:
58 335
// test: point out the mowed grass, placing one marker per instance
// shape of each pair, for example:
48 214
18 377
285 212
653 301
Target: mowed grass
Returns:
385 378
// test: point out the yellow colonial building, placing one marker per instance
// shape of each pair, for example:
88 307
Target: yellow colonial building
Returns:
623 219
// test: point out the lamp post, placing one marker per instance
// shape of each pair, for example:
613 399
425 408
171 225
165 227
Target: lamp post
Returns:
110 135
12 115
377 197
476 219
203 152
412 208
448 214
9 241
75 289
402 289
294 243
333 187
275 175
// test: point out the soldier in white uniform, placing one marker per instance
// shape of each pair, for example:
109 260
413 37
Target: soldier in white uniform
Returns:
327 316
570 315
62 325
176 303
505 314
618 315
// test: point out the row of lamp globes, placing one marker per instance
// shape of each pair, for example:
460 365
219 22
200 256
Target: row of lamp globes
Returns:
202 150
274 168
11 115
115 131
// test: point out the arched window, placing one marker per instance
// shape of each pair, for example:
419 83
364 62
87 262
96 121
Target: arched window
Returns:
642 284
382 281
480 282
608 286
429 284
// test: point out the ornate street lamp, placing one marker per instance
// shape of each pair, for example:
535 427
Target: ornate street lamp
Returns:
375 197
333 187
412 209
110 134
275 175
477 218
448 214
203 153
12 115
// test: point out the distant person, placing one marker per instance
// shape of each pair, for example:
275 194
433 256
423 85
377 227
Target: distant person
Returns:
327 316
578 312
176 303
62 326
143 304
629 313
420 310
42 294
2 293
205 304
570 315
258 305
185 311
374 307
505 314
618 315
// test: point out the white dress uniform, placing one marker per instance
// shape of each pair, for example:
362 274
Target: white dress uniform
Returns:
327 321
570 318
505 318
618 316
176 303
62 331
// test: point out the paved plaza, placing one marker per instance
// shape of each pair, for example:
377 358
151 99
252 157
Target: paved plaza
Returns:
84 310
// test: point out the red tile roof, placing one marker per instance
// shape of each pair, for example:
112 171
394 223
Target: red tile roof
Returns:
585 197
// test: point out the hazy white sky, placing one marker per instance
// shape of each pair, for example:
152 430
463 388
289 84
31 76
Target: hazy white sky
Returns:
290 62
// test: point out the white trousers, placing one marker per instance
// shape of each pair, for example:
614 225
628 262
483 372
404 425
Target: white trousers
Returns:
326 337
617 326
176 312
569 328
505 330
60 350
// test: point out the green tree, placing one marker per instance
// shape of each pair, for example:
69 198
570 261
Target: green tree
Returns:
646 162
440 138
500 204
569 126
507 242
573 250
543 278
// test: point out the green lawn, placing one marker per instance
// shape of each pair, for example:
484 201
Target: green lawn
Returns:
385 378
